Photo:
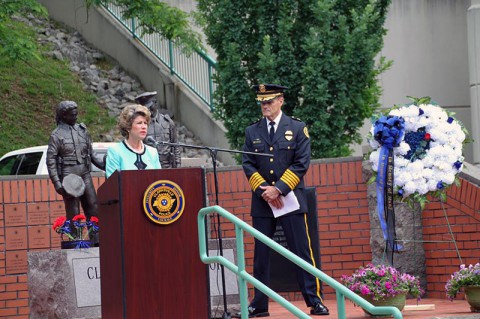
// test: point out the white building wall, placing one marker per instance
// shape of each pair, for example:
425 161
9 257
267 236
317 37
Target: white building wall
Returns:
427 42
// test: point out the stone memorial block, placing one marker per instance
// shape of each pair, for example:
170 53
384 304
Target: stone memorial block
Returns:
64 284
86 272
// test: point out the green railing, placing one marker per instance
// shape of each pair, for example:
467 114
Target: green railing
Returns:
244 277
195 70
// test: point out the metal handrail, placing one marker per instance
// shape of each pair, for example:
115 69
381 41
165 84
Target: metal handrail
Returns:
244 277
195 70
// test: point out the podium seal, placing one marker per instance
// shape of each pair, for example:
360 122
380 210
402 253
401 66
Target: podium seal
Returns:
163 202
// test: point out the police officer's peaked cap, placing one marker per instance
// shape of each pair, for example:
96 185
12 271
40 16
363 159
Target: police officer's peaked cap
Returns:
146 98
73 185
267 92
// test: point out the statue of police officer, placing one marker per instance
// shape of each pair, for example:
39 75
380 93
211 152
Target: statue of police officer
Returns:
162 129
70 152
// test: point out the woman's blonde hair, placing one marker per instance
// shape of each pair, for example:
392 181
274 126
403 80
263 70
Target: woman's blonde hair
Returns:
129 113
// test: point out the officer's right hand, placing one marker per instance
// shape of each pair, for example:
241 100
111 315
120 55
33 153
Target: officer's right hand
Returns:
59 189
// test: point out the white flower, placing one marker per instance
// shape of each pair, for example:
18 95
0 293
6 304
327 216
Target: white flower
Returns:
402 149
410 188
374 159
373 143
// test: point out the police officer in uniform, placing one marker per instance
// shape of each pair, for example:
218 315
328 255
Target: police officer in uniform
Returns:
70 152
162 129
271 179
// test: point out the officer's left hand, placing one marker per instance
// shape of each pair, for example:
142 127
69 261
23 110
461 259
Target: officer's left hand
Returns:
277 203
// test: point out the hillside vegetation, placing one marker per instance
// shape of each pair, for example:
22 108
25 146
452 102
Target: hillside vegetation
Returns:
29 93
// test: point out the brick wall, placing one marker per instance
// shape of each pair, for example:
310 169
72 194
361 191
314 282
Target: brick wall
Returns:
28 208
463 212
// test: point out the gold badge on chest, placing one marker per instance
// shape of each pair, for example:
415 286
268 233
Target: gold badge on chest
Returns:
288 135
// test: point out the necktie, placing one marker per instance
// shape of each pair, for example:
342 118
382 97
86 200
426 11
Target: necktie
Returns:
272 130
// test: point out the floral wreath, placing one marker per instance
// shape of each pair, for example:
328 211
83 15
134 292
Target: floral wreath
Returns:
427 147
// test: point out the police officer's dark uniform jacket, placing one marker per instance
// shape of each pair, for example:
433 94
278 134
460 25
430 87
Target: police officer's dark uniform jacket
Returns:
285 170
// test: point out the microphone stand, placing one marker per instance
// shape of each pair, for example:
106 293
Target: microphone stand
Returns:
213 153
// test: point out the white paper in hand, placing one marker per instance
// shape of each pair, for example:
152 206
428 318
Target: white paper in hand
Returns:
290 204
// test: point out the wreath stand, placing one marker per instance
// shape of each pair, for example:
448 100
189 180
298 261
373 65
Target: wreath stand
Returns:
414 225
452 240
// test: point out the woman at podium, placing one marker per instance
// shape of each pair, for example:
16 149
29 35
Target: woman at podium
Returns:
132 153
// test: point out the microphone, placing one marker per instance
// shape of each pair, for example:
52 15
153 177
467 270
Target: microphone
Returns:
151 140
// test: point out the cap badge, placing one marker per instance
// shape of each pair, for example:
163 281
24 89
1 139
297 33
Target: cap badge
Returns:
288 135
261 88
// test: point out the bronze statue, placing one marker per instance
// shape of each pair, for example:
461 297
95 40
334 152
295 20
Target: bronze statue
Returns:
70 153
162 129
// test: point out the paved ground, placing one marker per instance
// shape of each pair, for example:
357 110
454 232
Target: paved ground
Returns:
457 309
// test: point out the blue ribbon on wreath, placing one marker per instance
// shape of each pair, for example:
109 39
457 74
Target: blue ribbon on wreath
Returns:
388 132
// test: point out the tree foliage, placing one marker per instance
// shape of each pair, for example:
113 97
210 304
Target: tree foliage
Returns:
154 16
14 46
323 50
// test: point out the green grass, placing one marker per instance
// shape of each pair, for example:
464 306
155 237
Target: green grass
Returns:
29 93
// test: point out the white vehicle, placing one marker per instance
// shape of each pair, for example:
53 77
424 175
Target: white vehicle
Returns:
32 160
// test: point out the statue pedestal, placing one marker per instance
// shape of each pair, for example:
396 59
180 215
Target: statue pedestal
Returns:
64 284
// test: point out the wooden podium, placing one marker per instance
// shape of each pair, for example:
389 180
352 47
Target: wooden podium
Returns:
151 270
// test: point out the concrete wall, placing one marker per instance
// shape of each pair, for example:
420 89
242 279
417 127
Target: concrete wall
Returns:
101 30
427 42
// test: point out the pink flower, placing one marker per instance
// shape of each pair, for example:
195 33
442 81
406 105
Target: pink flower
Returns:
365 290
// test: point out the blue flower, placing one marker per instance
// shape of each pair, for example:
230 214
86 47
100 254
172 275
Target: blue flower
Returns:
450 120
400 192
388 130
440 185
420 111
457 164
418 144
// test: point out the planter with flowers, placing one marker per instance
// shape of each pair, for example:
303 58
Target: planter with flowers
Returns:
76 233
468 279
383 285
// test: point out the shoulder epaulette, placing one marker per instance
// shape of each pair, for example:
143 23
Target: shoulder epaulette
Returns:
296 119
82 125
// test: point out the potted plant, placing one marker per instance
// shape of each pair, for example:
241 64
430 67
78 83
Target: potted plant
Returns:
467 278
78 230
383 285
